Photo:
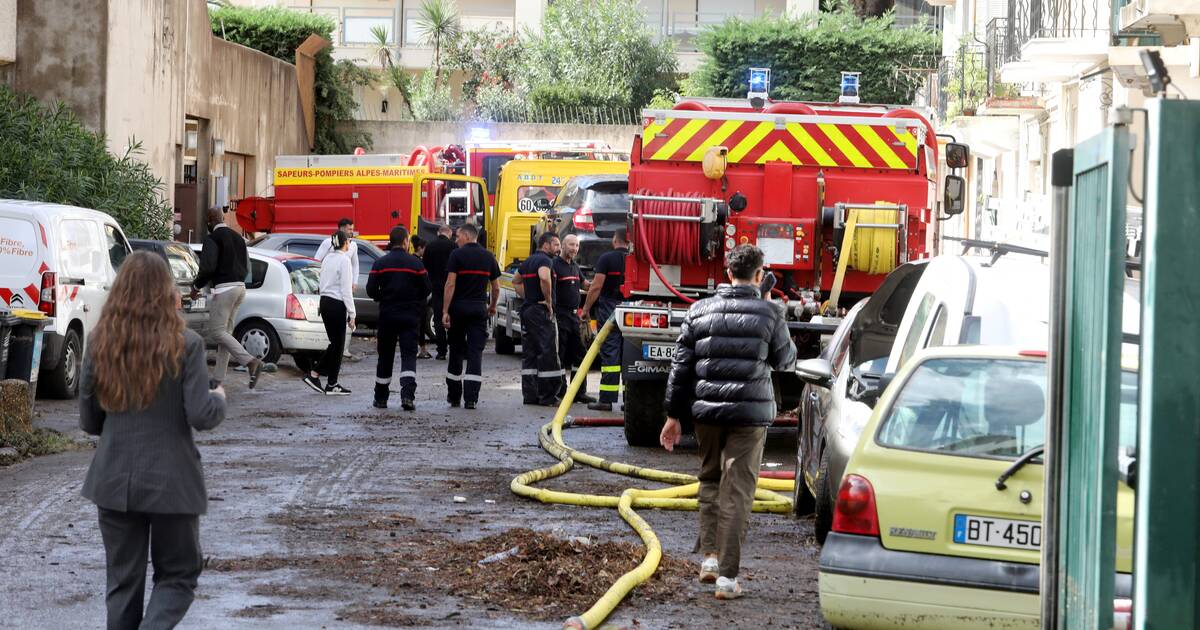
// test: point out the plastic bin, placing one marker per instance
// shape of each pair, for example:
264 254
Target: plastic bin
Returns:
24 355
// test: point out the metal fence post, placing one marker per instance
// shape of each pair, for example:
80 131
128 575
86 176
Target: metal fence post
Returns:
1062 175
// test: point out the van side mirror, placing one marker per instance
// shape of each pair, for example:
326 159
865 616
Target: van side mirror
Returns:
954 195
957 155
817 372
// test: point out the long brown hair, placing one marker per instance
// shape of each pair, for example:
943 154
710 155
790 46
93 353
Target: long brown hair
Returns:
139 337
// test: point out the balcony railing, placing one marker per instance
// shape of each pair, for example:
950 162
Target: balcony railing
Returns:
1058 19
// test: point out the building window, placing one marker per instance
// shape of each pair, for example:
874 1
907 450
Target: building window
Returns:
357 30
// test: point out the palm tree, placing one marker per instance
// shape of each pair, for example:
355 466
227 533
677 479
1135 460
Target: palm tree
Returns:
439 25
382 46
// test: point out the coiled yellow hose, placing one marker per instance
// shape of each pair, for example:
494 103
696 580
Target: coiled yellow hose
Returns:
681 495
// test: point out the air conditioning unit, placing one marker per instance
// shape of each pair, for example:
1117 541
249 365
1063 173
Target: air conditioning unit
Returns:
1173 20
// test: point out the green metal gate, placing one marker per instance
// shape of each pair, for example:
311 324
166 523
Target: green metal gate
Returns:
1090 362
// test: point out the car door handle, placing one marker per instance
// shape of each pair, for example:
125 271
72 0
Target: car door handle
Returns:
87 309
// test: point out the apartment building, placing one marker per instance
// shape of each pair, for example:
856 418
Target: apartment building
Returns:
209 114
1025 78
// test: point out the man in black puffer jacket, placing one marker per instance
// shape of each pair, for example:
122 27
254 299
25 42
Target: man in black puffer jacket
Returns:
721 380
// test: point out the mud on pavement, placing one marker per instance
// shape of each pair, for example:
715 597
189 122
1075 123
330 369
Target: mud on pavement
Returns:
325 512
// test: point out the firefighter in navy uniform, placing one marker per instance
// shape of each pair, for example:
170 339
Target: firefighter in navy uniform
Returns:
605 295
465 311
541 375
568 280
399 283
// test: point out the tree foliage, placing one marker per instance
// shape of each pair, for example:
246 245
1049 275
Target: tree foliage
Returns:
595 54
439 25
278 32
807 54
487 57
46 154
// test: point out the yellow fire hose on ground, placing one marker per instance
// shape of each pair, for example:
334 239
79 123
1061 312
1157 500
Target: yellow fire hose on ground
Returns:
680 495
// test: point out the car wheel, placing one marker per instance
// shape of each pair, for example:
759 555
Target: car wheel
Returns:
260 340
644 412
63 381
824 499
802 499
504 343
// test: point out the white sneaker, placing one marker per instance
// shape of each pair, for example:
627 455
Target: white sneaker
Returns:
708 570
728 589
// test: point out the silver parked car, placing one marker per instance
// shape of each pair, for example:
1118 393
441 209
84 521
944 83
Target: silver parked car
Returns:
307 244
280 313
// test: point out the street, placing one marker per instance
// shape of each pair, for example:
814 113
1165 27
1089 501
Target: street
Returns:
325 512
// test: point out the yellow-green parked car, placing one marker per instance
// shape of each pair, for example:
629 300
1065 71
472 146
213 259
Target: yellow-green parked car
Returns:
926 532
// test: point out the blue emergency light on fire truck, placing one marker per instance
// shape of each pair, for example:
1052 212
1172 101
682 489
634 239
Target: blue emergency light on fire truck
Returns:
836 195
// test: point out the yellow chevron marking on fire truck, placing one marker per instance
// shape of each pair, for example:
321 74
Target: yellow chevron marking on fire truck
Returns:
679 139
760 131
814 149
872 137
844 145
724 131
778 152
908 138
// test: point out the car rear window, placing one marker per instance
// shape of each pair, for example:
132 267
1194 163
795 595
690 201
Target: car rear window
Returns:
305 276
612 196
983 408
183 263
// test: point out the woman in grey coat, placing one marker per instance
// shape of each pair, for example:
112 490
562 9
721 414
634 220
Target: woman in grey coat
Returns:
144 388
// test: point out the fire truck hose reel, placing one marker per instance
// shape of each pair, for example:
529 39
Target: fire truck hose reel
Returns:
680 495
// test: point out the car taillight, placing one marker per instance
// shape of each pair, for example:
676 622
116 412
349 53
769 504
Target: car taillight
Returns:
583 219
294 310
646 320
855 511
48 301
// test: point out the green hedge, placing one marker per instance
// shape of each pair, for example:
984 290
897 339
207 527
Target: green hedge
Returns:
807 54
278 32
46 154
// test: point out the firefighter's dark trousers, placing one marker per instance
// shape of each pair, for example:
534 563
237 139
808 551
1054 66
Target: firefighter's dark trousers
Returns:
541 375
405 332
610 353
570 347
467 336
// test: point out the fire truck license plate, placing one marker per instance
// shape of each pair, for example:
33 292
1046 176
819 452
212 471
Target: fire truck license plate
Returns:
658 351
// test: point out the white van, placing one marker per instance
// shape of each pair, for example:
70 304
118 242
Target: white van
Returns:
60 260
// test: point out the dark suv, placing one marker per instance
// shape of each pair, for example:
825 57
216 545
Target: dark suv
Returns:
591 207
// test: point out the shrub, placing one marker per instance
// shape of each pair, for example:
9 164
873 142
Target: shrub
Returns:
487 58
278 32
431 100
596 54
807 54
500 104
46 154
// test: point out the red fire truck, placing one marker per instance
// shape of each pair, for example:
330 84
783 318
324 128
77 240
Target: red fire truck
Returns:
417 190
836 196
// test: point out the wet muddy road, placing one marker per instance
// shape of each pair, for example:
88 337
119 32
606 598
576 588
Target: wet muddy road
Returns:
325 512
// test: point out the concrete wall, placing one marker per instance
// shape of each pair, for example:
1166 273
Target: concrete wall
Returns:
62 55
401 137
251 100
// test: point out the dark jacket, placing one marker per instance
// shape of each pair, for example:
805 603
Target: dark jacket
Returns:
222 259
437 254
400 284
146 460
728 346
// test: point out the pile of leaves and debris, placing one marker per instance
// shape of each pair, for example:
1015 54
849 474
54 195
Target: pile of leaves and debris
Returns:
536 574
